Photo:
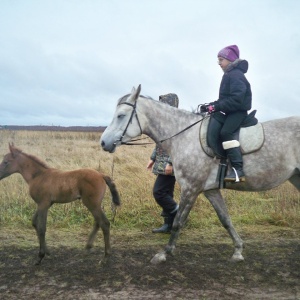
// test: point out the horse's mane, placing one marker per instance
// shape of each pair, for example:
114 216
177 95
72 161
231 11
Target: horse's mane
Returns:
124 98
32 157
193 113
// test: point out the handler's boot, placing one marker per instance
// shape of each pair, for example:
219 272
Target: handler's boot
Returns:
165 228
234 154
168 222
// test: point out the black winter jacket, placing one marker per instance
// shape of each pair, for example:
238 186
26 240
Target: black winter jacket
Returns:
235 90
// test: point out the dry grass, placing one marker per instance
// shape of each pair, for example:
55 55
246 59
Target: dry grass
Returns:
73 150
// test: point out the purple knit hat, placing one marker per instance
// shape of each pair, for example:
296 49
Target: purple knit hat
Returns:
231 52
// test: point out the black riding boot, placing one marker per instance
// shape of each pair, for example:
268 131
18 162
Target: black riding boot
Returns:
237 174
168 222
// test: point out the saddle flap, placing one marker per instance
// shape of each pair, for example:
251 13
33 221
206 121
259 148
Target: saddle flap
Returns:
251 139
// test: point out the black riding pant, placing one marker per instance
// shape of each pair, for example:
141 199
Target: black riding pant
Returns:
231 123
163 192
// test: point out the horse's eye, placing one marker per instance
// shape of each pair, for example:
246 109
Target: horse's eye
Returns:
121 116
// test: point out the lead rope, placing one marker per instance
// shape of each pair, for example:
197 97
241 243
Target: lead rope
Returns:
112 205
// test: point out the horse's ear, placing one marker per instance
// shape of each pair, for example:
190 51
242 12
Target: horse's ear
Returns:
135 93
12 148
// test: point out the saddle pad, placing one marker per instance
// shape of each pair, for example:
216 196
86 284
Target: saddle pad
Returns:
251 138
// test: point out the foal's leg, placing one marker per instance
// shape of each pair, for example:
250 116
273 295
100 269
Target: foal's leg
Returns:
100 221
218 203
39 222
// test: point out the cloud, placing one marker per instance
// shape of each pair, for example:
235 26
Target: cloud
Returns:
68 62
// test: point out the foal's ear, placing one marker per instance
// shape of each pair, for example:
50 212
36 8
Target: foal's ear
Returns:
135 93
11 148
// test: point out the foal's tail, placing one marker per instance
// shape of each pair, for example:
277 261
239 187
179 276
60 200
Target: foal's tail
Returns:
113 190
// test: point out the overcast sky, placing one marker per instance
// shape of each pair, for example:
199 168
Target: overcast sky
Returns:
67 62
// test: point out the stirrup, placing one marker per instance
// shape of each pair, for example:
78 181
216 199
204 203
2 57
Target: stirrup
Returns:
237 178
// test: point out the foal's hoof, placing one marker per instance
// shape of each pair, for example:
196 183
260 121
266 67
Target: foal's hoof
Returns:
39 262
159 258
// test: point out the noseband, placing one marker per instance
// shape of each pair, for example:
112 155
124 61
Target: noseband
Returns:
129 122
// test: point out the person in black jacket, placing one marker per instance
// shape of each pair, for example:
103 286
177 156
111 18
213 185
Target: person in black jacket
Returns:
235 99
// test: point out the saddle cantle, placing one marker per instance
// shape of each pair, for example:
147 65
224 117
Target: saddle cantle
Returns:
250 136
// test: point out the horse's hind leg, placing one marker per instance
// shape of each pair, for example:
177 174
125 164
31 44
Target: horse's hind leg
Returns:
102 222
218 203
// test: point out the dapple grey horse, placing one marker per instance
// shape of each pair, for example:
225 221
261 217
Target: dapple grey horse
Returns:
276 162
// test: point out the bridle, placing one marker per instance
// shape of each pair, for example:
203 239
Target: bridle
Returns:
133 113
137 118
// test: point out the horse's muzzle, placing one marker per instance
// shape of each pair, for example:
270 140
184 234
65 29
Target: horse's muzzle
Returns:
110 148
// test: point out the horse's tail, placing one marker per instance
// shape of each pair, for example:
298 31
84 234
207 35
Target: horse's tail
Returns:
113 190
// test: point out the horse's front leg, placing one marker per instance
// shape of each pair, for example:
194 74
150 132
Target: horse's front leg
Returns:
217 201
39 222
185 206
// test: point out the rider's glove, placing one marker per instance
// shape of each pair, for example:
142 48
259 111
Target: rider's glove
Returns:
210 108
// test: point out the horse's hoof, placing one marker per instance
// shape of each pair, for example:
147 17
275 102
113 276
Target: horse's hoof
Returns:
107 254
39 262
88 246
159 258
237 257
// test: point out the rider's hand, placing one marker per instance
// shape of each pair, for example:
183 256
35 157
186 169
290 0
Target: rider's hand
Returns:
210 108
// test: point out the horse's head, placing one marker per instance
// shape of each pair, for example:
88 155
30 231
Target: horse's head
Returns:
125 124
9 164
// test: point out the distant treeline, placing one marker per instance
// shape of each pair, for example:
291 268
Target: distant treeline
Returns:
54 128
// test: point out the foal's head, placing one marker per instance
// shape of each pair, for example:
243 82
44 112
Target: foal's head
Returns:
9 164
12 160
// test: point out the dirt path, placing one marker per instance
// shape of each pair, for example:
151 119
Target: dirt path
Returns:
199 270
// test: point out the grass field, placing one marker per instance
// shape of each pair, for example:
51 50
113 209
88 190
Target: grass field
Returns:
127 166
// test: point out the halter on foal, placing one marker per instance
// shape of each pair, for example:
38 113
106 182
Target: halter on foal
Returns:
48 185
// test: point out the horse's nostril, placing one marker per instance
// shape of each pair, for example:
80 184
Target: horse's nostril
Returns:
102 144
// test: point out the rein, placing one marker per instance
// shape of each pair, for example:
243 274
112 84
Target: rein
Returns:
132 143
163 140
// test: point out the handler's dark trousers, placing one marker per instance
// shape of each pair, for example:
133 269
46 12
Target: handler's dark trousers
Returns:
163 194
